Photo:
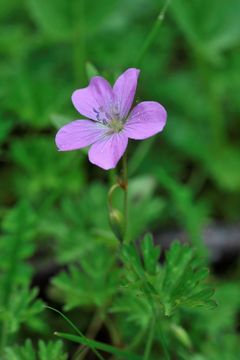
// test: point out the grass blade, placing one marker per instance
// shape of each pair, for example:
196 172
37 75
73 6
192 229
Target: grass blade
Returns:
93 344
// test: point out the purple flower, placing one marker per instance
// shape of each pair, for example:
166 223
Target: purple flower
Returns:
111 122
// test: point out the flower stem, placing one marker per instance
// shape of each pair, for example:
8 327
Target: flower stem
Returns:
110 194
153 32
125 189
117 218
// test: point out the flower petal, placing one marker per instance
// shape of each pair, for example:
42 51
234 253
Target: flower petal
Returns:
107 151
124 91
96 97
146 119
78 134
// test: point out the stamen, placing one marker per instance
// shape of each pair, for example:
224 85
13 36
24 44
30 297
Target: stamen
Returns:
110 119
100 118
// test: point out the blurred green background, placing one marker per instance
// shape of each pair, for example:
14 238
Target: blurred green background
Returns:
185 178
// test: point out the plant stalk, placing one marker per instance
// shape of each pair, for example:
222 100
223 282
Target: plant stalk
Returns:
153 32
125 189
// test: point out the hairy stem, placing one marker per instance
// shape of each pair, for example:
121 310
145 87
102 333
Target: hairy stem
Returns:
125 189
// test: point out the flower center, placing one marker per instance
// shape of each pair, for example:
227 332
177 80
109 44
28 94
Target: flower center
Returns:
110 119
115 125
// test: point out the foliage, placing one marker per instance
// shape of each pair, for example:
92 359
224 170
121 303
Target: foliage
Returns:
53 207
45 351
162 289
18 303
36 159
91 284
142 290
72 221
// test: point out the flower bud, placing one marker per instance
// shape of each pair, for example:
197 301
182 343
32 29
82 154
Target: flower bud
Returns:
181 335
117 223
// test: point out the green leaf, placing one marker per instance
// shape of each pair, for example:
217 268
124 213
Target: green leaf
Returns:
16 244
150 253
23 308
45 351
91 70
18 304
147 286
99 346
183 280
94 282
60 120
41 170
